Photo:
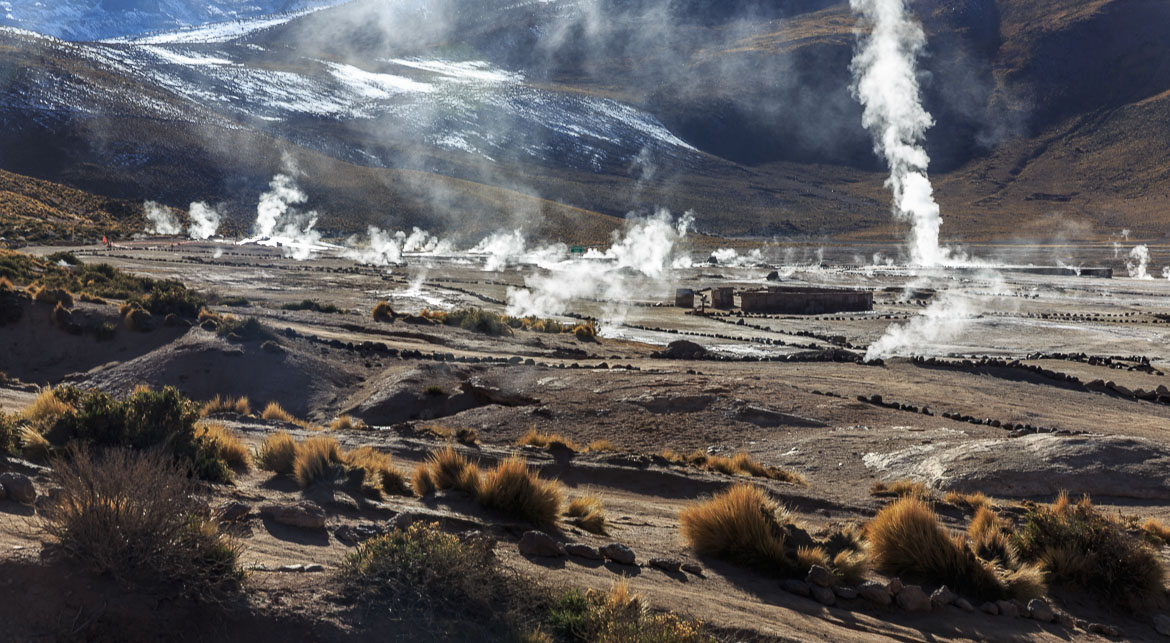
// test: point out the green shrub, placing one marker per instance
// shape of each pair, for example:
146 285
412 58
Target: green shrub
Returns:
249 328
618 615
10 429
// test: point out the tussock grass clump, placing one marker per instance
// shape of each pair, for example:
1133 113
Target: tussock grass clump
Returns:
90 299
587 513
476 320
742 524
1156 532
900 489
312 304
446 469
382 312
515 490
347 423
274 411
549 441
247 329
136 318
619 615
52 296
46 408
740 464
278 454
972 501
907 539
318 460
380 474
602 446
1080 546
221 442
451 589
62 318
586 332
226 404
135 515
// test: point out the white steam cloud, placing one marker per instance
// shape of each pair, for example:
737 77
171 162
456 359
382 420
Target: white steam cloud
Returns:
638 260
383 248
205 221
160 219
279 222
886 83
943 320
1138 262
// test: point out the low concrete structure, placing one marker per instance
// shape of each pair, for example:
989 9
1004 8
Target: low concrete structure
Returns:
723 297
684 298
793 300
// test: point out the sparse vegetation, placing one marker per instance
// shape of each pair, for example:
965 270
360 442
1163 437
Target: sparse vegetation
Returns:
587 513
972 501
274 411
1156 532
382 312
740 464
619 615
434 390
220 442
462 435
516 491
446 469
347 423
741 524
1080 546
550 441
318 460
602 446
900 488
134 515
10 428
380 475
278 454
473 319
314 305
248 329
225 404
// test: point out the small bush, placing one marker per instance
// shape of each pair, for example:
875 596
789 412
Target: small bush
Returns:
62 318
347 423
278 454
900 488
473 319
446 469
318 460
136 319
220 442
238 405
618 615
105 331
585 332
435 390
274 411
10 429
314 305
52 296
380 474
1156 532
741 524
247 329
549 441
514 490
452 589
907 539
1080 546
135 515
587 513
382 312
90 299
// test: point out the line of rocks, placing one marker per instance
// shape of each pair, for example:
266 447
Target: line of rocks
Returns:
538 544
1015 429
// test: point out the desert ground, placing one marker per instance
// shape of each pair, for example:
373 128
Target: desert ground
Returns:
1030 385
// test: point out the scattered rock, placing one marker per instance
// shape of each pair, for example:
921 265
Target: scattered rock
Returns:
845 592
990 608
581 550
894 586
913 599
291 568
964 605
354 534
666 564
794 586
682 349
823 595
538 543
693 568
492 395
1066 620
874 592
618 553
1162 624
18 487
448 520
306 514
819 575
234 510
314 567
942 597
1103 629
272 347
1040 610
1007 608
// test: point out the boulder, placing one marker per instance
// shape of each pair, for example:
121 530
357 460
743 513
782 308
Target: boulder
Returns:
942 597
540 544
1162 624
1103 629
234 510
913 599
682 349
894 586
666 564
354 534
1040 610
18 487
619 553
581 550
845 592
305 514
990 608
964 605
693 568
794 586
874 592
820 575
823 595
1007 608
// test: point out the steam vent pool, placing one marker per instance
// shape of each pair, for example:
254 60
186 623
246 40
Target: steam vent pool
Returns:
790 300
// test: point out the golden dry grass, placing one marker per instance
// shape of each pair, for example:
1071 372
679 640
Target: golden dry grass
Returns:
382 312
381 476
225 444
45 409
274 411
515 490
739 464
742 524
34 446
1156 531
347 423
278 453
446 469
542 440
972 500
900 488
602 446
318 460
807 556
226 404
907 539
587 513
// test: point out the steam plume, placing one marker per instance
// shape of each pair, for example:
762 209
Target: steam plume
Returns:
1138 262
277 219
160 219
204 221
885 82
